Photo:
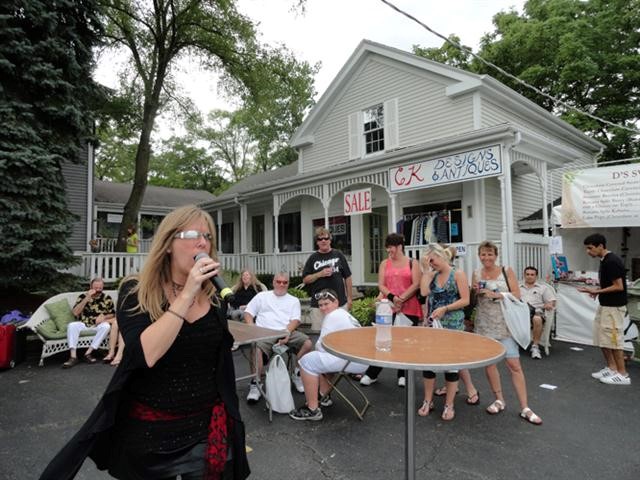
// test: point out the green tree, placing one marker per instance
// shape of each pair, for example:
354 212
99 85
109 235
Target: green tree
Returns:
45 96
583 52
448 53
156 36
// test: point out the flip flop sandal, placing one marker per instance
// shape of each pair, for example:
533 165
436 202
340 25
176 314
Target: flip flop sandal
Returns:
448 413
440 392
425 409
528 415
470 398
496 407
107 359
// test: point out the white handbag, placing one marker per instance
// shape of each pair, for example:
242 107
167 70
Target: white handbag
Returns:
516 315
278 385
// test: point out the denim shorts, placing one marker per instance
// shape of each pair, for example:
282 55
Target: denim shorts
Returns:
513 351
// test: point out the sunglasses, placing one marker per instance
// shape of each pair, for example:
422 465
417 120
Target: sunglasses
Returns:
281 282
324 296
193 235
320 239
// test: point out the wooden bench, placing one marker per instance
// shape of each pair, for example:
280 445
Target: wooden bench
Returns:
51 346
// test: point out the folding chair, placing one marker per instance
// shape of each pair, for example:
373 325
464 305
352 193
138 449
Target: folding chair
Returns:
334 387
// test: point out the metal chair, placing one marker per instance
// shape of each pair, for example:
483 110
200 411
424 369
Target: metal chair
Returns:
334 387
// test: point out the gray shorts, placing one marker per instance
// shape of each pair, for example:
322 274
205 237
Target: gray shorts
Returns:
296 340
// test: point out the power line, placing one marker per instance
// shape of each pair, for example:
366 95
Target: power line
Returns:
507 74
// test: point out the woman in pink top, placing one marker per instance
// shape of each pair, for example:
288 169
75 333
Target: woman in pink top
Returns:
398 280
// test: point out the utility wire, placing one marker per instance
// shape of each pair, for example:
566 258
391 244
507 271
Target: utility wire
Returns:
507 74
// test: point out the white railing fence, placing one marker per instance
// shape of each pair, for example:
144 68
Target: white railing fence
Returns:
112 266
108 245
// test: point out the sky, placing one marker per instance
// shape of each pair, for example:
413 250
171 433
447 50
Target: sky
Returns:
330 30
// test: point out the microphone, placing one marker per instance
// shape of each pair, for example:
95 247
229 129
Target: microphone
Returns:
225 292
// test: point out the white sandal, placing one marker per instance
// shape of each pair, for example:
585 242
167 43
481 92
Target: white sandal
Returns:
530 417
425 409
496 407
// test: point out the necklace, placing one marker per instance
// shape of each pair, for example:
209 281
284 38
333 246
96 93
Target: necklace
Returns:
176 287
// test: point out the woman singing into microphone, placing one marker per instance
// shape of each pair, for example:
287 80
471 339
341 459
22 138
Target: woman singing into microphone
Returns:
171 408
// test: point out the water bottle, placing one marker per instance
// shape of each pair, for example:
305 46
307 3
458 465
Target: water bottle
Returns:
384 316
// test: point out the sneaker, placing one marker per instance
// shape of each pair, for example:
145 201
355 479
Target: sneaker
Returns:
535 352
304 413
297 382
605 372
254 394
616 379
325 401
366 380
402 382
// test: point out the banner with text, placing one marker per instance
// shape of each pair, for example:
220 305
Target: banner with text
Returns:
471 165
601 197
357 201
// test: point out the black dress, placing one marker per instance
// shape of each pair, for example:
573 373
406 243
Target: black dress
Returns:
199 362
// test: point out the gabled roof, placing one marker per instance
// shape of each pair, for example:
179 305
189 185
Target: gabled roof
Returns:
466 83
157 199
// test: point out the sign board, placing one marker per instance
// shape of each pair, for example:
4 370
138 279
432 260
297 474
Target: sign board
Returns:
461 248
357 201
601 197
114 218
460 167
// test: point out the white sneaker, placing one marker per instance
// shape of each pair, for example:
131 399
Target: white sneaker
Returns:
535 352
297 382
254 394
605 372
366 380
616 379
402 382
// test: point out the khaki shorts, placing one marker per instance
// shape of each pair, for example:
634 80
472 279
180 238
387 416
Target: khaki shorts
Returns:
608 327
296 340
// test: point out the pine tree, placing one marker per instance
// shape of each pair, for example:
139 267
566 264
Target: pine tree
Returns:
45 91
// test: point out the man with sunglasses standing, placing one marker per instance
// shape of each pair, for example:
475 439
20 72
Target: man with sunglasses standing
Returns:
327 268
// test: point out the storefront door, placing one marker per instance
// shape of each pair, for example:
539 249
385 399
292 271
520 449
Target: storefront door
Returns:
374 228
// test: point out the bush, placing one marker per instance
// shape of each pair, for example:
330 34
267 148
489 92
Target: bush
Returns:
298 292
364 310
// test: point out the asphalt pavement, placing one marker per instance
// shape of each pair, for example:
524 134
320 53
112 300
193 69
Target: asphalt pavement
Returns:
590 430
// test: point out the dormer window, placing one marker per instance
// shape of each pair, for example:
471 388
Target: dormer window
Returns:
374 129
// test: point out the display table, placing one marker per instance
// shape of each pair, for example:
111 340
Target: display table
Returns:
415 348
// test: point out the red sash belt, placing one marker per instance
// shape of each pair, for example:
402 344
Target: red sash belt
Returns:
217 438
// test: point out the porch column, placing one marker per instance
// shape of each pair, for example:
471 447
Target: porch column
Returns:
276 213
219 228
545 212
243 228
325 204
508 247
393 217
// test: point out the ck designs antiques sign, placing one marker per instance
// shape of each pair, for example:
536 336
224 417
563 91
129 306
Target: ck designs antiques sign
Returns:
601 197
480 163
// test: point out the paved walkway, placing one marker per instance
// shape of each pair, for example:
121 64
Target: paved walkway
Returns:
590 430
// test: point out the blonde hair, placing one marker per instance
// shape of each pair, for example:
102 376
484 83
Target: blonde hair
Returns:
322 232
253 281
437 249
156 272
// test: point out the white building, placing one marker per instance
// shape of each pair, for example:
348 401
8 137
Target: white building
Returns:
423 137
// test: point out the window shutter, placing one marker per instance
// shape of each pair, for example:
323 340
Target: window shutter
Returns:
355 135
391 135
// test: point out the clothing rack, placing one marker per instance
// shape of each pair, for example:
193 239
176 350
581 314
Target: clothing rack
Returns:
411 217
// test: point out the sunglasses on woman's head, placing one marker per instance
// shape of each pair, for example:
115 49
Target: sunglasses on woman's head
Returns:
324 296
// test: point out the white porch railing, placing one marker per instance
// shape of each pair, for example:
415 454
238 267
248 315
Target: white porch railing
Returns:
109 244
112 266
530 250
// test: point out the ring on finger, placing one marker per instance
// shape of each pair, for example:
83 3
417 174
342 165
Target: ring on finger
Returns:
201 269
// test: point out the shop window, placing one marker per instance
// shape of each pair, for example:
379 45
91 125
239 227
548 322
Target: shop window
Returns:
340 228
226 238
289 235
257 233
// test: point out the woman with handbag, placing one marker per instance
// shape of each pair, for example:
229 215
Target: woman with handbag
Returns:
489 282
447 292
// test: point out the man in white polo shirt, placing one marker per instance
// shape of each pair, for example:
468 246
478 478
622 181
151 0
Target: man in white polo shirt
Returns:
278 310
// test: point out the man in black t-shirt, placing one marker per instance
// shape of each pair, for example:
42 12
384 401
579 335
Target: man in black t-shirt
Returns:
608 327
327 268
